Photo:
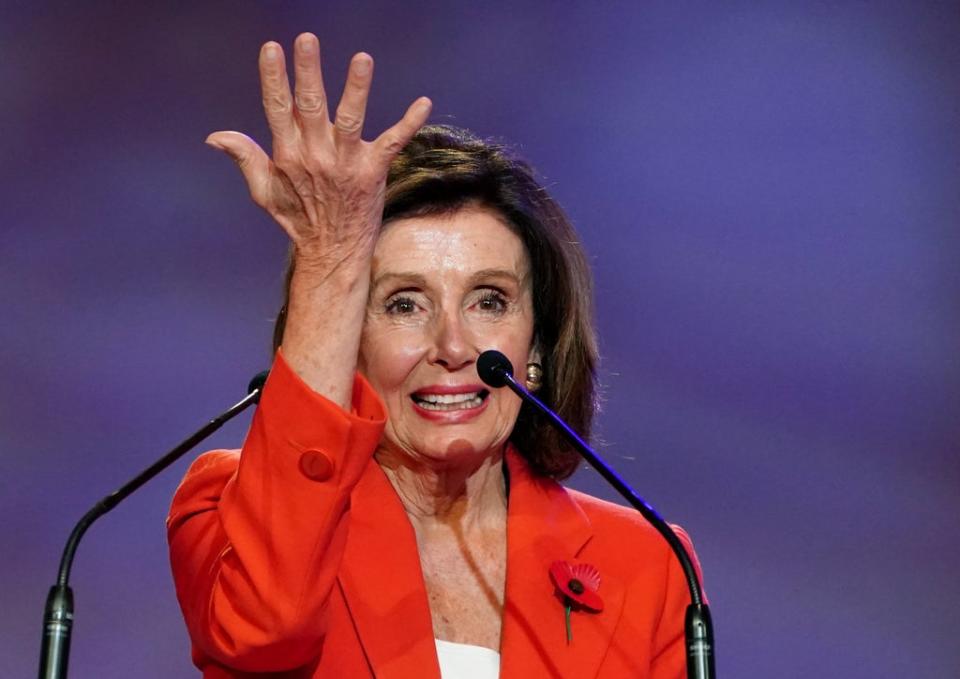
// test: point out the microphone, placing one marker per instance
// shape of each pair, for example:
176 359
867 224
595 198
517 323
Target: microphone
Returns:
494 368
58 612
496 371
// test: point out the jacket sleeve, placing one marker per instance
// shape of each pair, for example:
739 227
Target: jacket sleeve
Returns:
256 537
669 647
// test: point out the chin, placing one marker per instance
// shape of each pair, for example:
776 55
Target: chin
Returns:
451 448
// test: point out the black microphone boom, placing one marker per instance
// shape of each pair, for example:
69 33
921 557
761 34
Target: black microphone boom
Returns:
58 613
496 371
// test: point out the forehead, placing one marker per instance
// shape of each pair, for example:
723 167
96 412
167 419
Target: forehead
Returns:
468 240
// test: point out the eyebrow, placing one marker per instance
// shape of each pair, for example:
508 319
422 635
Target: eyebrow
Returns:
406 278
487 274
412 279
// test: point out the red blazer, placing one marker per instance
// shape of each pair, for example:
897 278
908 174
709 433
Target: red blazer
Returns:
295 557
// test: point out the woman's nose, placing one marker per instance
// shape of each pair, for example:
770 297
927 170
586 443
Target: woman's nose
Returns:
452 345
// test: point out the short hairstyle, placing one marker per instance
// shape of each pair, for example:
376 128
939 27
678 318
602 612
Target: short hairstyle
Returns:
445 168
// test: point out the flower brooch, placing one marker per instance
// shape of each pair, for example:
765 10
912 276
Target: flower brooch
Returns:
577 584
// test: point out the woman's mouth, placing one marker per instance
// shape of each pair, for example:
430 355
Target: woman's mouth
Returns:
450 402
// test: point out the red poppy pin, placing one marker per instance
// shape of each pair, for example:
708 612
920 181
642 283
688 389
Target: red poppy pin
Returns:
577 584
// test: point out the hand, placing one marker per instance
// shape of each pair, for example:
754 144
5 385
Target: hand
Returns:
324 185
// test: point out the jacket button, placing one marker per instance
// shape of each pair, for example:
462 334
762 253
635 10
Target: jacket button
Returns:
316 465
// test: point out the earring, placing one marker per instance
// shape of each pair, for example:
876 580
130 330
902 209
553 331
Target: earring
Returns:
534 376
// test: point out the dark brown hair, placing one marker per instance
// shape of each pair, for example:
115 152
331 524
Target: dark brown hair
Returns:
444 168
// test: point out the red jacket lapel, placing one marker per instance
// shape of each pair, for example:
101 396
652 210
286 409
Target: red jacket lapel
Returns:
383 583
544 525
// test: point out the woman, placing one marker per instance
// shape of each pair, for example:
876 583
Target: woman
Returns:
389 515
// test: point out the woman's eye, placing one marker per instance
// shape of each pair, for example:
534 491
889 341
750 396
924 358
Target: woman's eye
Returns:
492 301
401 305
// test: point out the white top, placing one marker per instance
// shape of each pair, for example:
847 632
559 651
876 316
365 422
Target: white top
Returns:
465 661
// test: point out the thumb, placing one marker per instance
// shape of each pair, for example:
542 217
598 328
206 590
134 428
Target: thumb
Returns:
249 157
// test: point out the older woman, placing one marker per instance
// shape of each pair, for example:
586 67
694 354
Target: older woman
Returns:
389 515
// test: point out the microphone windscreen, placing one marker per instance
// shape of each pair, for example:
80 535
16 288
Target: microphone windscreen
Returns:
493 368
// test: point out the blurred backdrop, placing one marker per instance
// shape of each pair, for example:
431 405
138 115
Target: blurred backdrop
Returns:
768 193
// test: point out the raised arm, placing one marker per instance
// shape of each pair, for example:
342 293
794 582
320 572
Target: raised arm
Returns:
256 539
325 186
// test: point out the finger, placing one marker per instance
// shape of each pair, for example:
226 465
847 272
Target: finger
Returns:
309 96
353 104
250 158
277 102
392 141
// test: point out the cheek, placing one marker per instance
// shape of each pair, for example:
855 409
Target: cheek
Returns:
513 342
388 358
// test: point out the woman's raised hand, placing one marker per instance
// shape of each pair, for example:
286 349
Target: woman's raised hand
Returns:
324 185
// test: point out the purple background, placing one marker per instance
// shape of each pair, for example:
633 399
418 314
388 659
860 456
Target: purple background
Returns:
768 192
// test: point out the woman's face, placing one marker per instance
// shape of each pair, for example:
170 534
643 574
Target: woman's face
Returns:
444 289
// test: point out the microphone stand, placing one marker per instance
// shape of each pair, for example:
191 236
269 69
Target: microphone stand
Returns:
496 371
58 612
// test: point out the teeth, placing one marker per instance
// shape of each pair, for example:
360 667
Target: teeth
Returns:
448 398
475 402
449 401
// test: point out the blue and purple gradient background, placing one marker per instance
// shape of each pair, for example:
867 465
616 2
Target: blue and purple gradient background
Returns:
768 192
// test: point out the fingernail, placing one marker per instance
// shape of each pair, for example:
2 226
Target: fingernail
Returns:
306 44
362 66
270 51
